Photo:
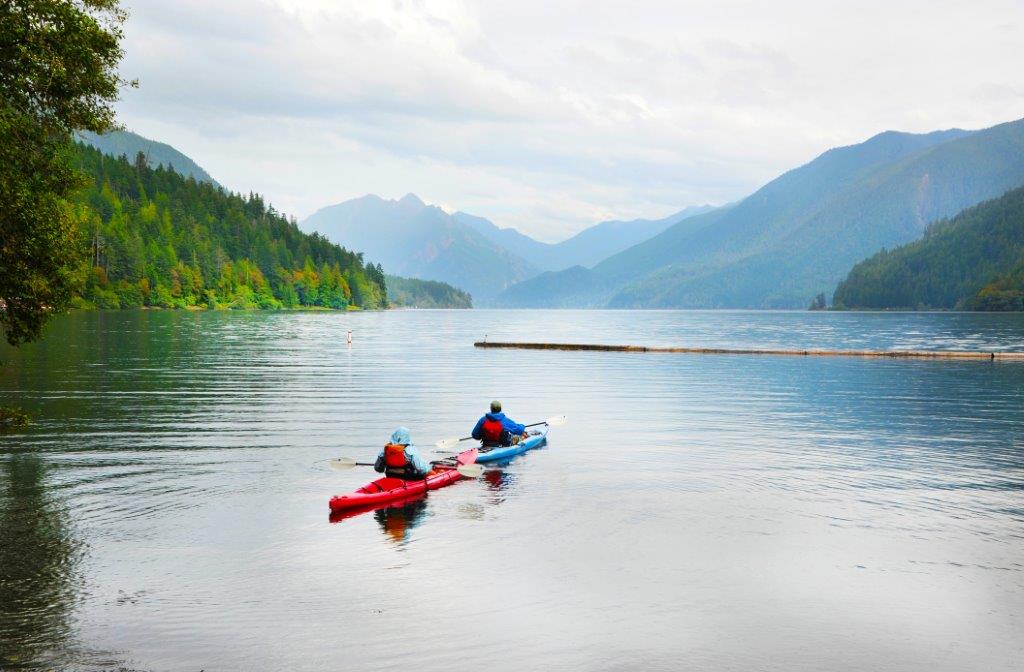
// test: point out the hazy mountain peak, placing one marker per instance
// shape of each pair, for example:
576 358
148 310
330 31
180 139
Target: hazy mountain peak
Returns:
369 198
413 239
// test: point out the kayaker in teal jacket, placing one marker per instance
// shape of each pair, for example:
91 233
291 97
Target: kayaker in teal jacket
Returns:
497 429
401 459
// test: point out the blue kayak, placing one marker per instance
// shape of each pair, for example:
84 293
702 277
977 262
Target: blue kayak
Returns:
504 452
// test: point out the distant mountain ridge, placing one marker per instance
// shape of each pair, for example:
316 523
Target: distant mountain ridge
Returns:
126 143
586 248
798 235
413 239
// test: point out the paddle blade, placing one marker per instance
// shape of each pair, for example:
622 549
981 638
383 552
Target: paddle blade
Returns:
343 463
447 444
556 421
470 470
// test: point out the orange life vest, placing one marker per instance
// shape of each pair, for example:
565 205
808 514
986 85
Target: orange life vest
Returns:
394 455
396 463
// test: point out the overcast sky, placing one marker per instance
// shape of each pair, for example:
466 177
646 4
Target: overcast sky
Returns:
550 116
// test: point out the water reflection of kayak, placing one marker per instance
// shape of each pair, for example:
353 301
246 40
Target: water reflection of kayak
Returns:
394 508
385 490
535 440
397 521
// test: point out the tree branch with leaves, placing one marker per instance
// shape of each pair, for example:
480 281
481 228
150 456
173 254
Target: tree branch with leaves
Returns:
58 75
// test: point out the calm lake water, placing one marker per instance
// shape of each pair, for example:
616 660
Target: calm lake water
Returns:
168 510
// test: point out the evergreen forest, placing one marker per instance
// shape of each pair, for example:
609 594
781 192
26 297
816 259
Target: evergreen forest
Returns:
415 293
155 238
974 261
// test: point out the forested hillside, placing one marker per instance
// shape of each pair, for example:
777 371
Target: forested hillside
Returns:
414 293
156 238
126 143
1005 292
974 261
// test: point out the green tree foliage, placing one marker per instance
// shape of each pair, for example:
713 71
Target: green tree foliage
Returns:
118 142
155 238
58 74
973 261
819 303
413 293
1005 292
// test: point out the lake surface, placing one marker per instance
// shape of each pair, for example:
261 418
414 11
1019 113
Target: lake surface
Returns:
168 510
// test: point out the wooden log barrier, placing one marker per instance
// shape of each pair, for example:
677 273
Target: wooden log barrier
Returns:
891 354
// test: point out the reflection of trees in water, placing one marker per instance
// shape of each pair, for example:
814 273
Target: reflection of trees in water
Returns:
38 569
398 521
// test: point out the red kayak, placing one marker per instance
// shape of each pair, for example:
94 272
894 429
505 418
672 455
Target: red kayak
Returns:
345 514
388 489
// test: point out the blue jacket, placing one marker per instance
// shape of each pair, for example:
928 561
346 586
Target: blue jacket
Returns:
510 425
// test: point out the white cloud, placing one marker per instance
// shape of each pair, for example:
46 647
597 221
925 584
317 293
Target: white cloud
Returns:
550 116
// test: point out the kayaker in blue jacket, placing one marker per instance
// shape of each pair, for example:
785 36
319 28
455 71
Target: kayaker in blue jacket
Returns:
497 429
401 459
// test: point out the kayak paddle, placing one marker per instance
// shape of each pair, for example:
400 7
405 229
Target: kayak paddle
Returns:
346 463
557 421
470 470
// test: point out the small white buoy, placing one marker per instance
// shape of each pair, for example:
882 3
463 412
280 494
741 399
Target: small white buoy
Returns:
350 337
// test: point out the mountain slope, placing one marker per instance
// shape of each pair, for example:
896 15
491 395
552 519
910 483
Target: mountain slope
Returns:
580 287
798 235
537 252
586 248
413 239
970 261
864 198
126 143
597 243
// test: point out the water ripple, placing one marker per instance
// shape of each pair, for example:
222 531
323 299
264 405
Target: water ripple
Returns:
169 504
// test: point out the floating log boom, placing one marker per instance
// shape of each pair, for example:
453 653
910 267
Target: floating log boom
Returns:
891 354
